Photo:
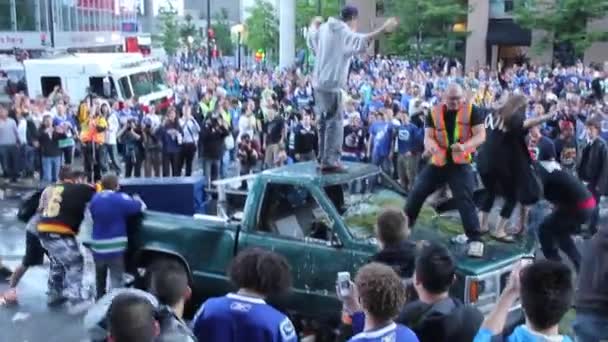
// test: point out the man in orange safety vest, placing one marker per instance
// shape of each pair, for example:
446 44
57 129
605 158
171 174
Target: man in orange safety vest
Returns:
453 131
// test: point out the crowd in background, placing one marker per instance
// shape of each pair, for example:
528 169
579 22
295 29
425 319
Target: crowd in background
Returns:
228 122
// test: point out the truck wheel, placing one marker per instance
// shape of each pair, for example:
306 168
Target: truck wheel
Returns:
151 262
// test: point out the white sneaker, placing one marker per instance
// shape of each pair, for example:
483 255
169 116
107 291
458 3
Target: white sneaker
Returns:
476 249
79 307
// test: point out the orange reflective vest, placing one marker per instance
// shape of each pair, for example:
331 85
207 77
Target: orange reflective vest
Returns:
94 131
462 133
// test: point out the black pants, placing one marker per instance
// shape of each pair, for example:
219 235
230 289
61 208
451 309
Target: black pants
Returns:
186 158
555 233
595 215
133 165
94 161
171 164
493 185
461 181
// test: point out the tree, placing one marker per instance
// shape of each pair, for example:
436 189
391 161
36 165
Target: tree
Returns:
566 21
169 31
222 32
188 29
426 28
307 9
262 27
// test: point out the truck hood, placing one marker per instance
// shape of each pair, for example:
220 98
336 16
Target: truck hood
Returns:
363 211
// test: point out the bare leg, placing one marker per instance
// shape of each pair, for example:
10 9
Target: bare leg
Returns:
16 276
483 221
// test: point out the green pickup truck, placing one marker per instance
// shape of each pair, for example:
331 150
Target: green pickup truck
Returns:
322 223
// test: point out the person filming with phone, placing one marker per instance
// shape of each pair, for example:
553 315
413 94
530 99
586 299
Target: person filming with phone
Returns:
378 293
545 290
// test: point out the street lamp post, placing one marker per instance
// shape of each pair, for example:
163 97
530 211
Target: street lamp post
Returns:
238 29
208 33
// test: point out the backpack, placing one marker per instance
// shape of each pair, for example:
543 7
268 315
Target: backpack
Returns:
29 206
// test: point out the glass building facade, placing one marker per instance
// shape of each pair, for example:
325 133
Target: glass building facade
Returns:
78 23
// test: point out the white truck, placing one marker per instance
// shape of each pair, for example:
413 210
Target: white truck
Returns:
118 75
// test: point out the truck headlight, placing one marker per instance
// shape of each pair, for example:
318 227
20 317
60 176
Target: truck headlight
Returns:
482 291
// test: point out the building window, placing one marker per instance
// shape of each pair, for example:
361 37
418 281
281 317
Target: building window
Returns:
5 19
380 10
501 8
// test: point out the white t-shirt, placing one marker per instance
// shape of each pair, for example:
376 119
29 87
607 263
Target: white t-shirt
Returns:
112 130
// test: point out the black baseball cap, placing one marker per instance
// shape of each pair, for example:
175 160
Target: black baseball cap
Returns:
349 13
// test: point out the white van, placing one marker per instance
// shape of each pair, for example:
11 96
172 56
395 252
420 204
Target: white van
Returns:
117 75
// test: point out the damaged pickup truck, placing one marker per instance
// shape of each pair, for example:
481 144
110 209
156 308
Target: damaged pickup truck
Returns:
323 224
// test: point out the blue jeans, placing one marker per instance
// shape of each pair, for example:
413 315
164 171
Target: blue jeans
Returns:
225 164
384 163
50 168
208 170
590 328
27 159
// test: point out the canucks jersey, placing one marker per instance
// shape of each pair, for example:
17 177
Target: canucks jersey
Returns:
235 318
391 333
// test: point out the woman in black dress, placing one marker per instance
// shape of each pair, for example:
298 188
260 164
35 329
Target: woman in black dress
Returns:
505 166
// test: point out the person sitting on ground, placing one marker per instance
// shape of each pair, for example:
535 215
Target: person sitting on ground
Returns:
244 315
131 318
396 251
546 291
379 293
169 291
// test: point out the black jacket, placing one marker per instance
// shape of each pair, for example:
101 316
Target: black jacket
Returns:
446 321
305 140
402 258
592 292
49 145
594 166
172 328
212 138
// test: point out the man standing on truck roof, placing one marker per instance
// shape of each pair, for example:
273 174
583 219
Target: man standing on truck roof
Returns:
334 45
453 132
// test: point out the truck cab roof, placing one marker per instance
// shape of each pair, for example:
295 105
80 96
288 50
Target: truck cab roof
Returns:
309 172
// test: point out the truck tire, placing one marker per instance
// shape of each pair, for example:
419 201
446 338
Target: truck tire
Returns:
150 261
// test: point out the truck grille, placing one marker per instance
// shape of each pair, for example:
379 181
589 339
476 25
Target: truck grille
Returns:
504 278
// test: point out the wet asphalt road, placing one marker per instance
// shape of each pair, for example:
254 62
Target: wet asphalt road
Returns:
31 320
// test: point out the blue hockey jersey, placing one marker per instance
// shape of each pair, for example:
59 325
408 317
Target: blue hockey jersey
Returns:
236 318
391 333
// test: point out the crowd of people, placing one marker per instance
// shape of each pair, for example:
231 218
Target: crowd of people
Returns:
424 123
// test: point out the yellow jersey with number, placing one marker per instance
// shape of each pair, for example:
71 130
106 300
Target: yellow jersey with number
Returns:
64 207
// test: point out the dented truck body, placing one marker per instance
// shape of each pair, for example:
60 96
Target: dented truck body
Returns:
322 224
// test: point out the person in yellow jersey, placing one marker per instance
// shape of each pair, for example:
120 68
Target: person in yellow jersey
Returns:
62 213
93 125
453 131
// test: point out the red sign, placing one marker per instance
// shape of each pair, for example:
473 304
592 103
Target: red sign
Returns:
107 5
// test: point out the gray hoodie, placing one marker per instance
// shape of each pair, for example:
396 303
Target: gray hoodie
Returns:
335 46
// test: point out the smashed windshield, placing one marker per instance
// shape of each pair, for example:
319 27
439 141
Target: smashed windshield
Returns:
361 200
145 83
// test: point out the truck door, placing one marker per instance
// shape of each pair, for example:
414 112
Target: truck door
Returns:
293 221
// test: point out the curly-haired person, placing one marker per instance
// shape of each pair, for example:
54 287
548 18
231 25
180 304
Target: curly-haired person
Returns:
244 315
379 292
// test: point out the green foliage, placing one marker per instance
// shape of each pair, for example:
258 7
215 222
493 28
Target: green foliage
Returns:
188 29
566 19
222 32
263 28
308 9
426 28
169 29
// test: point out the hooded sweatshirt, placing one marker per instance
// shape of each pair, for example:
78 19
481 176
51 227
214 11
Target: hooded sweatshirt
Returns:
592 292
335 46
